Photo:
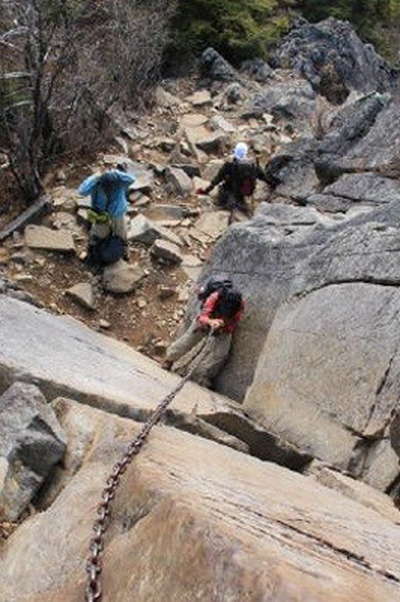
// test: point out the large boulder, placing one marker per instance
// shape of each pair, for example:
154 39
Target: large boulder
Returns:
216 67
290 100
187 528
333 59
308 168
262 257
327 378
110 375
354 123
378 143
257 69
366 189
291 173
327 361
31 444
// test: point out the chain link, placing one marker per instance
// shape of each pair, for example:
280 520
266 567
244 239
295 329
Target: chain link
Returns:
94 592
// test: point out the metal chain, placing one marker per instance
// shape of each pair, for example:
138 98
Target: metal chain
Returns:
94 592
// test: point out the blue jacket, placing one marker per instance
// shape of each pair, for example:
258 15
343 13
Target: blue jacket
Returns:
117 203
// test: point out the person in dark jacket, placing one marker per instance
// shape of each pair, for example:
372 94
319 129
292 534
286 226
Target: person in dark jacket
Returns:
220 313
238 179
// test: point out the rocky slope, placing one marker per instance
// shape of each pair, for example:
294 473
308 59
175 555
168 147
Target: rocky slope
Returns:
334 60
215 507
315 358
186 528
142 304
234 527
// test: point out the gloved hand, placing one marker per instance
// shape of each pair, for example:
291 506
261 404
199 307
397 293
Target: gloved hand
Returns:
215 324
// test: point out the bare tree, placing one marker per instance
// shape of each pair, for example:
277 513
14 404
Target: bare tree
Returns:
64 66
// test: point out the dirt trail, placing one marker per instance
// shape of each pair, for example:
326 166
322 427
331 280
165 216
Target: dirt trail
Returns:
142 318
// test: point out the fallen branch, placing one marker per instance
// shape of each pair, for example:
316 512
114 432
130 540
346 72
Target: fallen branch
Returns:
34 211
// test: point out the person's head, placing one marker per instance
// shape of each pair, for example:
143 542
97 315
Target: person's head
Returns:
230 302
241 150
123 166
107 182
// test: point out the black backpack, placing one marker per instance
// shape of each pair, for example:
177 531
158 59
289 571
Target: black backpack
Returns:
212 286
246 174
109 250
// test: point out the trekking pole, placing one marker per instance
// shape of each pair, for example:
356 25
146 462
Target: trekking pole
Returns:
94 592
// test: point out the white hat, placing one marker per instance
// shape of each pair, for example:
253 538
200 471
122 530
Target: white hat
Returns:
241 150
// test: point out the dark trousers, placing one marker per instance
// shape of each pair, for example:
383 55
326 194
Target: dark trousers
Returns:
231 199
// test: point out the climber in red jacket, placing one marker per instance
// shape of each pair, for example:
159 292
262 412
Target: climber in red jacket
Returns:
220 313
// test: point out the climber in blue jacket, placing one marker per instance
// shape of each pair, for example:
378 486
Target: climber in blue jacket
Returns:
109 203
